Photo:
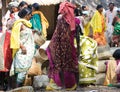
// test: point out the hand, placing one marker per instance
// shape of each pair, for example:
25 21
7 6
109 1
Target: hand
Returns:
23 48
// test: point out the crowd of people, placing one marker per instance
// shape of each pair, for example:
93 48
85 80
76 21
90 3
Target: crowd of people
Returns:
72 51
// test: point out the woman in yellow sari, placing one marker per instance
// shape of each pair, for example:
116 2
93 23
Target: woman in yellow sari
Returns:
98 26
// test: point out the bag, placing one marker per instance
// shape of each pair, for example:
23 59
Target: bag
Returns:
28 81
35 69
39 38
41 55
40 81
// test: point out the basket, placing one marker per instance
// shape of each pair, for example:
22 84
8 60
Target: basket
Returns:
35 69
41 55
39 39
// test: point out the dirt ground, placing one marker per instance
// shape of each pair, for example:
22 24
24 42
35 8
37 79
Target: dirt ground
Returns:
88 89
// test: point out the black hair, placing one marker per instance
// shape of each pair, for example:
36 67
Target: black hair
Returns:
36 6
76 12
111 3
116 54
22 3
83 7
99 6
24 12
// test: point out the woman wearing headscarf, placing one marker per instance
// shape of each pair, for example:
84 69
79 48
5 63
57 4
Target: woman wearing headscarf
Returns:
98 26
5 50
63 65
22 45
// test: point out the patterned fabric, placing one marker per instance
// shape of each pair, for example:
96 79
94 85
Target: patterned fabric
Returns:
22 62
88 60
62 54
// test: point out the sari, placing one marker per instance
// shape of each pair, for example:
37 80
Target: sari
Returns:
22 62
62 56
116 32
88 60
98 25
111 76
5 50
39 22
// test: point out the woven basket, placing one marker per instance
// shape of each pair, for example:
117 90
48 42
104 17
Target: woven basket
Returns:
39 39
35 69
41 55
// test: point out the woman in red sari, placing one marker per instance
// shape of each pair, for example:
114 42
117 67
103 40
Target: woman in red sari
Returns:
5 51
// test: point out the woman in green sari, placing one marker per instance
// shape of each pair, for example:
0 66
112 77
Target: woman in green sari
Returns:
88 60
116 32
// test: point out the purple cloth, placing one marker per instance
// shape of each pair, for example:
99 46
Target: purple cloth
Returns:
62 55
118 75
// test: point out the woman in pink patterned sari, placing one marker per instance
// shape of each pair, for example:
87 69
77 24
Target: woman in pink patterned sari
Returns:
63 65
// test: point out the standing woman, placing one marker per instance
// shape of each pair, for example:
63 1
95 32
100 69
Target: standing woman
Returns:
63 65
98 26
116 32
5 50
22 44
38 20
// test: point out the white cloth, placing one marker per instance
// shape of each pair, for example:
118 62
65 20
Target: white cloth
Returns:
109 19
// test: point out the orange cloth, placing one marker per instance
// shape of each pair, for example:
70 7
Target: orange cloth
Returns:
111 77
67 10
100 36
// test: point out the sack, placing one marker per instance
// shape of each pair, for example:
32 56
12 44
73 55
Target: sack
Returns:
41 55
104 52
39 38
35 69
28 81
40 81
